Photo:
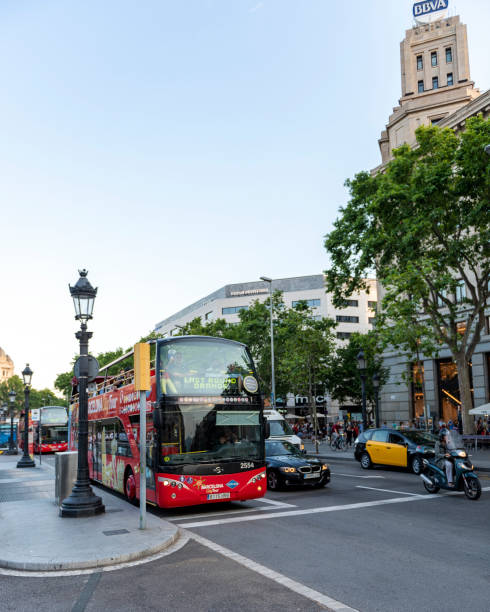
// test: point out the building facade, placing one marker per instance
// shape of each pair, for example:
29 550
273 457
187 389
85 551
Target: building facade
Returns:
6 366
435 80
227 302
436 89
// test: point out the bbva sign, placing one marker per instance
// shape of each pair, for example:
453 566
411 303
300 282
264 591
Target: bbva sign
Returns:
424 11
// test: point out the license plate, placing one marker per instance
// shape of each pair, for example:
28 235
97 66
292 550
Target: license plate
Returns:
218 496
312 475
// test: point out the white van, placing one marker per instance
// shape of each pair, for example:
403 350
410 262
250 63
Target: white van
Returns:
280 429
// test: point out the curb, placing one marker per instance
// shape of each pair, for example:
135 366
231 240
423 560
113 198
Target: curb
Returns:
93 563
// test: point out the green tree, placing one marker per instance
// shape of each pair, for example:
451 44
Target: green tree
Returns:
344 381
423 225
308 345
13 383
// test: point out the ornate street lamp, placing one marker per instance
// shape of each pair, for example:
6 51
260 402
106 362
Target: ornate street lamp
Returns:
82 500
361 366
376 396
268 280
12 445
26 460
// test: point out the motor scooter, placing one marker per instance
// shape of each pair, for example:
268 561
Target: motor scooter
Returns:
464 477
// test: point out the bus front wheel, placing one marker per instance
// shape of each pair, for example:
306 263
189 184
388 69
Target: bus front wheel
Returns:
130 486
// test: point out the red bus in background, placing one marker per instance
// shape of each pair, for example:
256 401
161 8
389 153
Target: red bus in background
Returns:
54 430
205 427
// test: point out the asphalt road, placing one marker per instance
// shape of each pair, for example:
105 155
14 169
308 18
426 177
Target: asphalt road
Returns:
371 540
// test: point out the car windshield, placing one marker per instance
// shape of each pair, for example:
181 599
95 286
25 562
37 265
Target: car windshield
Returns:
276 448
204 433
421 437
280 428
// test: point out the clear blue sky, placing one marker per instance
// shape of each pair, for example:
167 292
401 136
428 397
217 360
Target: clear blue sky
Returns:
174 147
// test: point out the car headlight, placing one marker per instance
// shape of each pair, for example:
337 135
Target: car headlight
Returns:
324 466
287 470
301 446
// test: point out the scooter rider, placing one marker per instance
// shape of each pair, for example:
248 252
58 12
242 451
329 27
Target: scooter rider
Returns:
444 448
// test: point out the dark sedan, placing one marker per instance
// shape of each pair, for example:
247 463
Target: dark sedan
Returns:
288 466
393 447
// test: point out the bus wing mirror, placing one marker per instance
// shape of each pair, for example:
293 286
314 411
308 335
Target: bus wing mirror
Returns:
267 428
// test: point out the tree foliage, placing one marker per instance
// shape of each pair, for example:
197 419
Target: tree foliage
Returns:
344 382
423 225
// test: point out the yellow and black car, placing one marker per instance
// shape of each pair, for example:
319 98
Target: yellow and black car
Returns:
394 447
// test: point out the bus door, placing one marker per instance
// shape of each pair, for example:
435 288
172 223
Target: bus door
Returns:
150 449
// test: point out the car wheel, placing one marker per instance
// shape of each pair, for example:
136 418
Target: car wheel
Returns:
366 462
417 465
321 484
272 481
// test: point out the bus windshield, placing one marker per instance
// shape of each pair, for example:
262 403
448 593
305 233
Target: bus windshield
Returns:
54 415
209 367
203 433
53 434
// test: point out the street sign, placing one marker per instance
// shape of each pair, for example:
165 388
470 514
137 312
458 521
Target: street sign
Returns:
93 368
35 414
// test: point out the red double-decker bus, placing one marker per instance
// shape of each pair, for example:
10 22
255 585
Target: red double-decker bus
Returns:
205 428
53 427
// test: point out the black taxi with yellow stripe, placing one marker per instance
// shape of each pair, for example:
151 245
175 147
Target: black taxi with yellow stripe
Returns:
393 447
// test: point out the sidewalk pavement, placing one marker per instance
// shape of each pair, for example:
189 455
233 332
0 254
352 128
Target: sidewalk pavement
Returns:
33 537
480 458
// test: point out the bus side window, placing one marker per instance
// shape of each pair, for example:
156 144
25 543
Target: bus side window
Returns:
123 448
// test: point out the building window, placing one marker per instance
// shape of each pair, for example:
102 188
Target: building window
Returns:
353 303
346 319
208 316
440 298
450 79
420 63
309 303
421 87
343 335
372 305
449 55
435 82
460 292
433 58
316 318
233 309
371 320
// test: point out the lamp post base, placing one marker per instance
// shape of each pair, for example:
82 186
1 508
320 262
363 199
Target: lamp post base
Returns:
81 502
26 462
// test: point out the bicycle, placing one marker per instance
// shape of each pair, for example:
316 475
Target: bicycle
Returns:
337 443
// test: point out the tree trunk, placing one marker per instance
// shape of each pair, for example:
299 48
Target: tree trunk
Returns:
465 394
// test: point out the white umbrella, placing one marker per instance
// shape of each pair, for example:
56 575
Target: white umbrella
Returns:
485 409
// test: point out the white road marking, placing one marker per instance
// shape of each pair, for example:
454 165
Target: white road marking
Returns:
296 587
387 490
356 506
237 511
273 502
354 475
181 541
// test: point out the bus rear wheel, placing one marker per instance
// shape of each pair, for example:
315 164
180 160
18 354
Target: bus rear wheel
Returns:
130 486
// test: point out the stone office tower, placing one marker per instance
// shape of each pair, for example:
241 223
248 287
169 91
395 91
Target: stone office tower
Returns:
435 75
